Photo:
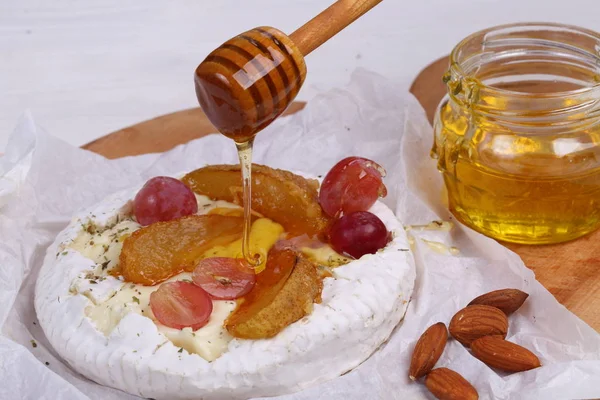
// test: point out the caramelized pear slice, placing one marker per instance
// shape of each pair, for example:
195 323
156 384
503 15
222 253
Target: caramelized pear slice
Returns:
159 251
284 292
286 198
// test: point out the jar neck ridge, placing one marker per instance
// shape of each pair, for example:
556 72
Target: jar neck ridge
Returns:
532 76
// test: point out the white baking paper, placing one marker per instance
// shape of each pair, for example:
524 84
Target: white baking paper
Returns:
44 181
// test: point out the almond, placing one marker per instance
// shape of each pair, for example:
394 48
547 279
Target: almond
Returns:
446 384
428 350
473 322
507 300
504 355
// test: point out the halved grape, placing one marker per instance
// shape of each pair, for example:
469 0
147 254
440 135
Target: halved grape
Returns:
224 278
353 184
358 233
180 305
163 199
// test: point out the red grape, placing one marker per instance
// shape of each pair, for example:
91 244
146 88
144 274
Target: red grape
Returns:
163 199
358 233
180 305
224 278
353 184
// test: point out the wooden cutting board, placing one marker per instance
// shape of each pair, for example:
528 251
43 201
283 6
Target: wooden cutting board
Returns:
570 271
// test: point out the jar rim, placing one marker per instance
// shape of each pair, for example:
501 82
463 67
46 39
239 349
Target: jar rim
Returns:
457 68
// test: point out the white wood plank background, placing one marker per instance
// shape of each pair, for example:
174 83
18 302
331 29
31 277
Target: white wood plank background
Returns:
89 67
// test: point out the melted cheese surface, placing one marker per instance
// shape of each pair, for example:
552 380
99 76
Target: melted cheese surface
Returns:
113 299
209 342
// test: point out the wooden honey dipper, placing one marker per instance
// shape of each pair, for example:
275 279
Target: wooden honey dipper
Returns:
247 82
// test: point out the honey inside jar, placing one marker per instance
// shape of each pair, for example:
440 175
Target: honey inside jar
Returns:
517 138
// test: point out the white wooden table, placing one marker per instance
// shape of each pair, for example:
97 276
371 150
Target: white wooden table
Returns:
89 67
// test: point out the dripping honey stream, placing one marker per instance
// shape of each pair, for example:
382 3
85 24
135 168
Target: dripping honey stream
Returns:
245 155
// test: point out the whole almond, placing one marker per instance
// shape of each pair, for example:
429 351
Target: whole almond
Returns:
507 356
446 384
428 350
473 322
507 300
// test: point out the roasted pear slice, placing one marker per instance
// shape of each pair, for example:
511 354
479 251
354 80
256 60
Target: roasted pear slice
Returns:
284 292
159 251
282 196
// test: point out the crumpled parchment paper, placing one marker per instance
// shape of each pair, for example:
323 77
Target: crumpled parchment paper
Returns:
43 181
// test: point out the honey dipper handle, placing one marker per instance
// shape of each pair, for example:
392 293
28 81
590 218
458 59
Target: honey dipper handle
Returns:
329 22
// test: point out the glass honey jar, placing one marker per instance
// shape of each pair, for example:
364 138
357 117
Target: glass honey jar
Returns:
517 137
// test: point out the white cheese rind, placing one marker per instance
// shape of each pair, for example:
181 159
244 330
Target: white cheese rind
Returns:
359 310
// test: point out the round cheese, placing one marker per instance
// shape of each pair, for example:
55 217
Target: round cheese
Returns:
361 305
